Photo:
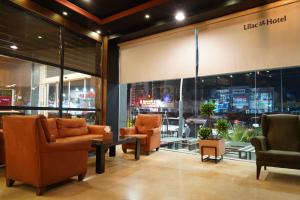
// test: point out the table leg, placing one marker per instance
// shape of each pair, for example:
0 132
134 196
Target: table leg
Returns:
112 151
137 149
100 159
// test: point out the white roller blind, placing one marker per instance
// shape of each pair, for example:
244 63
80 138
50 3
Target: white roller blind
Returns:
233 46
170 55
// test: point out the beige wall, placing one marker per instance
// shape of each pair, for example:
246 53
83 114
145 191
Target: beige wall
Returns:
224 46
163 56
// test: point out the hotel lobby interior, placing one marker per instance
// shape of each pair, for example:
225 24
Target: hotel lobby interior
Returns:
150 99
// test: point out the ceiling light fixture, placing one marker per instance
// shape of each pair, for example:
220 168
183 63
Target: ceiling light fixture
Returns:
147 16
180 16
39 37
65 13
14 47
98 32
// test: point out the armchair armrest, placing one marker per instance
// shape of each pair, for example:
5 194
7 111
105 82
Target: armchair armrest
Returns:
67 146
99 130
153 131
128 131
259 142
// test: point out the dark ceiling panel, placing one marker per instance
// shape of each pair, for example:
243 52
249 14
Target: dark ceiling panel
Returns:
162 16
106 8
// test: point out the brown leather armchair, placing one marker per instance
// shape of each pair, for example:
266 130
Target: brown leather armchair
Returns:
147 128
1 148
32 159
279 146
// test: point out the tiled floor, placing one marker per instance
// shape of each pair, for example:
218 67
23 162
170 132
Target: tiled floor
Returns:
169 175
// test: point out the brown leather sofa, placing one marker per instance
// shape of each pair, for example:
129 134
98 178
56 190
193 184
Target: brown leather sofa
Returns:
41 152
147 128
280 144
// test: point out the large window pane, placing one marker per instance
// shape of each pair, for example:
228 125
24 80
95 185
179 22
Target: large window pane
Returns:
81 53
25 83
291 92
268 91
81 90
27 35
92 117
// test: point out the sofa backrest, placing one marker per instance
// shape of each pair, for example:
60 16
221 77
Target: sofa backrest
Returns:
282 131
146 122
52 127
71 127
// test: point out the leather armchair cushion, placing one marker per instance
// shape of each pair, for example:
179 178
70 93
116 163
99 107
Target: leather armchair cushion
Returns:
277 156
87 137
144 123
283 132
52 127
44 123
71 127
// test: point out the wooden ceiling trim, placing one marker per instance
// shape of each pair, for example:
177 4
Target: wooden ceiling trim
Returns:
80 11
133 10
114 17
56 18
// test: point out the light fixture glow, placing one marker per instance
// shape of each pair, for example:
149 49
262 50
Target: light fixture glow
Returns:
14 47
147 16
98 32
180 16
39 37
64 13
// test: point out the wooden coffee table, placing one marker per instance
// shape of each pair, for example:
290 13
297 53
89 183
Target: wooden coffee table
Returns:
102 145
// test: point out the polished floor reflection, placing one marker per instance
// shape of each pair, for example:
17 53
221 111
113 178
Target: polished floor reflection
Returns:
169 175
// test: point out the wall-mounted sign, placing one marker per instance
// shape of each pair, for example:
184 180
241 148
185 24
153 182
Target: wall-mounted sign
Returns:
265 22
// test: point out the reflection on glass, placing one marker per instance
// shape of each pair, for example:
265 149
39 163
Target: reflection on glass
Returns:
92 117
25 83
291 92
80 90
241 99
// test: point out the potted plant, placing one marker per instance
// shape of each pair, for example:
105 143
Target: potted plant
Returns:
209 145
222 127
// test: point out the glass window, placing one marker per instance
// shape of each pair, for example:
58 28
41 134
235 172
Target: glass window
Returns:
233 95
92 117
27 35
268 91
25 83
81 53
81 90
291 92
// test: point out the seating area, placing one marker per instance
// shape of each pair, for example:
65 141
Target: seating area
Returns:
149 99
280 144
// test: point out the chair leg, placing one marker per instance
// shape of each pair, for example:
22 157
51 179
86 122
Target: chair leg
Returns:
81 176
124 150
39 191
9 182
258 169
265 167
157 148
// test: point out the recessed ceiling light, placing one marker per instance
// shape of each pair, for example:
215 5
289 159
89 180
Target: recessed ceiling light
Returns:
65 13
98 32
40 37
87 1
147 16
13 47
180 16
